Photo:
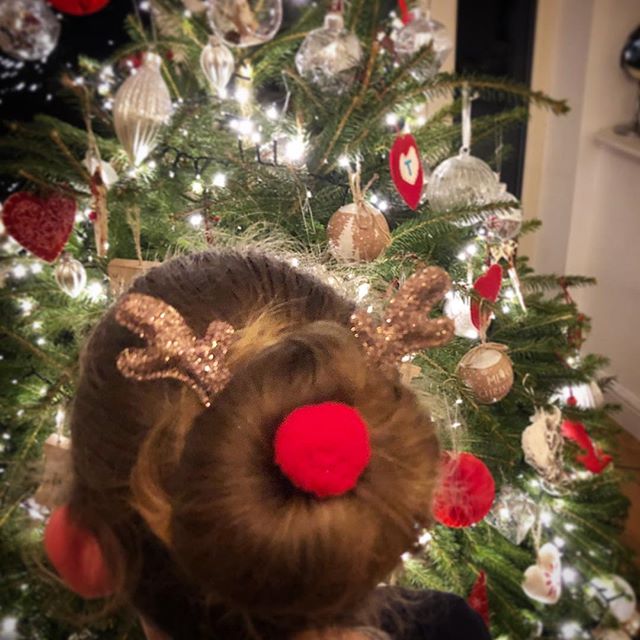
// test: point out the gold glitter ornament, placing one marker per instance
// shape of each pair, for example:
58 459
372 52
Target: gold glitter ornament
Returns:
172 350
142 107
487 371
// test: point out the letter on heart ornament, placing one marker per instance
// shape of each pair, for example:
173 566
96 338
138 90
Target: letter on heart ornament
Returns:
406 169
543 580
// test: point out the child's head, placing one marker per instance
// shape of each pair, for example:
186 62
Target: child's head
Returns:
201 529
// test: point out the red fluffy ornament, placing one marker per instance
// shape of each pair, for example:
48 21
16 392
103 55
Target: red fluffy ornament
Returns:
478 599
40 225
488 288
466 491
406 169
76 556
323 448
79 7
594 459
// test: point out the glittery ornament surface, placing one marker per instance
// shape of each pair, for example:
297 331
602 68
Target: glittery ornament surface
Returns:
29 30
172 350
329 57
422 31
245 23
406 327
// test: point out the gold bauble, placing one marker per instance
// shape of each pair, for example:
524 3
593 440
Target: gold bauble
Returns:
358 232
487 371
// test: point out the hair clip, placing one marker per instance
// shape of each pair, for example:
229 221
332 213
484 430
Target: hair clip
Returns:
405 326
172 350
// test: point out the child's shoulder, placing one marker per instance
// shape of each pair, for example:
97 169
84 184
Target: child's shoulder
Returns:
432 615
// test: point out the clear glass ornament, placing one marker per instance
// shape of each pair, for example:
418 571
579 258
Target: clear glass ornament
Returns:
217 64
29 30
513 514
70 275
142 106
461 182
422 31
503 224
245 23
329 57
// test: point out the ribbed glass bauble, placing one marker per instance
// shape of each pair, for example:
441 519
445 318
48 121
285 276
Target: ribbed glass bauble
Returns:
142 106
70 275
460 182
217 64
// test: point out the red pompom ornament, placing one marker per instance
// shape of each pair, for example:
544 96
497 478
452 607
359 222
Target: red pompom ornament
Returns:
79 7
40 225
76 556
323 448
466 491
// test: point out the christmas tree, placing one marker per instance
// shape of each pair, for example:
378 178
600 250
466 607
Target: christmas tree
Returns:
316 142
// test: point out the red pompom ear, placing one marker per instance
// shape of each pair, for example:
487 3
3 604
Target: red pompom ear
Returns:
323 448
76 556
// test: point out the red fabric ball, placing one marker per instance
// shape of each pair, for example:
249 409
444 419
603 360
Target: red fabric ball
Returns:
323 448
76 556
466 491
79 7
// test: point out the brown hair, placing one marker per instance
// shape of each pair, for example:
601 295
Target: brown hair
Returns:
203 533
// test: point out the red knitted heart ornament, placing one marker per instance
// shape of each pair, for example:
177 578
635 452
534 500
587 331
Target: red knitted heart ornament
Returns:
323 448
466 491
40 225
76 556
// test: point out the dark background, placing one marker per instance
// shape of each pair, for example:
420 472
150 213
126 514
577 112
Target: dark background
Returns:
494 37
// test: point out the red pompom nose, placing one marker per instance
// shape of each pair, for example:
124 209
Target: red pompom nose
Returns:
323 448
76 556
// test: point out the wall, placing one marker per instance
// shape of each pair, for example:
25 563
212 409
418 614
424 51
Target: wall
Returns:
588 194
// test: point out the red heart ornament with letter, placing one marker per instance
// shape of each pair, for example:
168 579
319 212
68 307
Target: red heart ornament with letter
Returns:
406 169
543 580
40 225
487 287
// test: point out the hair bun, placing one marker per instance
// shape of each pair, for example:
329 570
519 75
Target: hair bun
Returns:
323 448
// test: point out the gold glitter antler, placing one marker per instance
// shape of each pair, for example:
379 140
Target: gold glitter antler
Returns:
172 350
406 327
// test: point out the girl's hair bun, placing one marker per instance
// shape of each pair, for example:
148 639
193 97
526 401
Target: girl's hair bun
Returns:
323 448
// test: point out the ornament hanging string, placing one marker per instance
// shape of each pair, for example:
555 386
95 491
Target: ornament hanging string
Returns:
356 189
466 120
97 187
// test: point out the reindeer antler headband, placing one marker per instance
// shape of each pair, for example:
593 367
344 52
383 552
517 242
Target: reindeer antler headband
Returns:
173 351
